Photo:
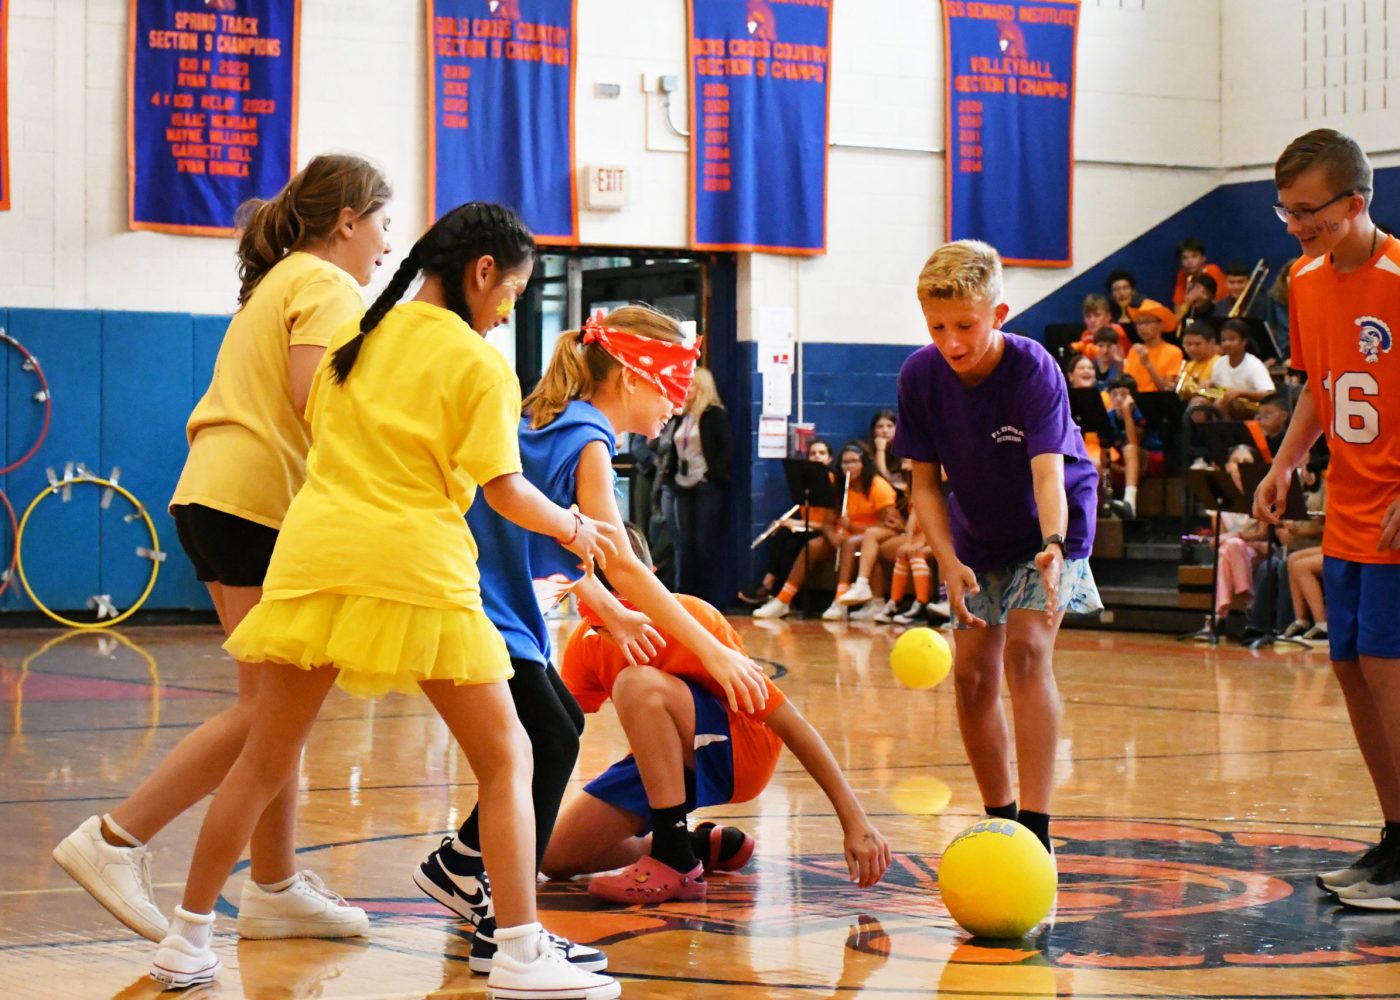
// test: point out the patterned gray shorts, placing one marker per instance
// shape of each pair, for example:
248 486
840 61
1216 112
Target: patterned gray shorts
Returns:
1020 586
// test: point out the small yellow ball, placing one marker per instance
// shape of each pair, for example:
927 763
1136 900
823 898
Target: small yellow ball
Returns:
997 879
921 658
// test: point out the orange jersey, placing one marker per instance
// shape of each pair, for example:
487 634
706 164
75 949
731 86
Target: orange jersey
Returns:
1179 293
592 662
1342 330
863 511
1085 344
1166 358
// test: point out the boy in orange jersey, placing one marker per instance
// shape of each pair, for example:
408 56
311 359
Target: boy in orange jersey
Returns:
1191 253
1153 364
1343 313
1098 316
687 746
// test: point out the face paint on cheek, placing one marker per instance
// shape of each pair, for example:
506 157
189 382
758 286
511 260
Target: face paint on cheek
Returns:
504 308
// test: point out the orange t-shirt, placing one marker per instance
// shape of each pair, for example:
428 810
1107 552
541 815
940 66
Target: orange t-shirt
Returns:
1090 350
1166 358
1343 329
591 663
1179 295
862 510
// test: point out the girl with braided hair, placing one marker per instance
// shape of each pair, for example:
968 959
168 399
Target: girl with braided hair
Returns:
626 373
302 257
374 583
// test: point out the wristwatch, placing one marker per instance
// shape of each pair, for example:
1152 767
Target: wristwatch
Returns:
1050 540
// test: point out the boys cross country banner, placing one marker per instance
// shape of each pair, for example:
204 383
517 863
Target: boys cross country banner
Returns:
211 109
1009 126
760 83
4 106
501 110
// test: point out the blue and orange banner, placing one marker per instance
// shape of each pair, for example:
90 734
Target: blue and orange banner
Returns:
211 109
1009 126
4 106
501 110
760 86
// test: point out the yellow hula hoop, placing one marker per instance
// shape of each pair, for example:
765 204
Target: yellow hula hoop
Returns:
140 509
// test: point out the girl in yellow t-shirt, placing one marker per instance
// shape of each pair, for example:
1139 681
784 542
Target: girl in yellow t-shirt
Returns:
303 256
374 583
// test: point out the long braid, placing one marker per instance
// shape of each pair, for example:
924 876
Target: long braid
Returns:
462 236
344 357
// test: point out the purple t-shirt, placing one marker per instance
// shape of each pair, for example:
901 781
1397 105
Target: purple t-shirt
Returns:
984 437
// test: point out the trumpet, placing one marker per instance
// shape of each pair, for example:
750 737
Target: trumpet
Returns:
1188 388
1251 290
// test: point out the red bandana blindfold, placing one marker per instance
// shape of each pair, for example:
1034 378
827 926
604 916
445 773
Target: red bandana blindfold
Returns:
668 366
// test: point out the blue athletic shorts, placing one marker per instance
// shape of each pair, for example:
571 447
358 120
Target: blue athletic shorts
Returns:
1020 587
1363 608
711 783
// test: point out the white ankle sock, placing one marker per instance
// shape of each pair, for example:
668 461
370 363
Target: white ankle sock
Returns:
1130 496
463 849
196 928
115 828
276 886
520 942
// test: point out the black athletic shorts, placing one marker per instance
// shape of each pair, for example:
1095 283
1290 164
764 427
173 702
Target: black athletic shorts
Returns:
224 548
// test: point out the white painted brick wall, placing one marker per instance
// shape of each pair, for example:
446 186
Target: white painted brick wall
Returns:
1148 137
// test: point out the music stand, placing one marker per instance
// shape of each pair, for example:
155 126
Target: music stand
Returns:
1059 337
809 484
1224 436
1216 491
1088 412
1295 508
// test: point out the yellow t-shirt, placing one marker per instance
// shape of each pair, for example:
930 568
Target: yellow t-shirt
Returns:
429 411
247 441
1202 370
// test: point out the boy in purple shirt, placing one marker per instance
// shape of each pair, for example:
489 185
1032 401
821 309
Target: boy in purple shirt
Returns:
989 410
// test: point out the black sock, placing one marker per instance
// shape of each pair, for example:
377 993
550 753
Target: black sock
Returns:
670 838
730 840
1038 824
1002 812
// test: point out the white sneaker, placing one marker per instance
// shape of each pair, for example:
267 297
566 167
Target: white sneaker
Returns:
548 975
886 614
117 877
180 964
305 909
835 613
773 609
914 614
868 611
858 594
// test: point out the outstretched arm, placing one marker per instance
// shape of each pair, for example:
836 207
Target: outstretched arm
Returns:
867 853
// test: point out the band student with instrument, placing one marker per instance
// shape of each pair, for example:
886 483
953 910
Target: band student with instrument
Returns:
1243 286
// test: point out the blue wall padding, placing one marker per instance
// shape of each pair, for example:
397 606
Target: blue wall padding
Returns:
123 385
1234 221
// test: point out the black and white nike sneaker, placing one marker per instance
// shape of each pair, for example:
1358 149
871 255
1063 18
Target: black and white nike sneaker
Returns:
458 882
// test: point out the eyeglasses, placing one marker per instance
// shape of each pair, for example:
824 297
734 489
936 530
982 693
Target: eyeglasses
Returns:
1306 215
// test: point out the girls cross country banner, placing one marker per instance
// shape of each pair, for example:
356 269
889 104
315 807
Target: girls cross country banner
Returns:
211 109
760 85
4 106
501 110
1009 126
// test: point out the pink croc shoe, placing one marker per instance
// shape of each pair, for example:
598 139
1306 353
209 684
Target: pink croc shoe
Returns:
649 881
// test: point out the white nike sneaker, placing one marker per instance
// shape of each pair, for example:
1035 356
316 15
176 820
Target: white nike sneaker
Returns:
117 877
835 613
870 611
773 609
858 594
305 909
548 975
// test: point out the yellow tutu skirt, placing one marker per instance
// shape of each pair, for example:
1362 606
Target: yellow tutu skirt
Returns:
378 645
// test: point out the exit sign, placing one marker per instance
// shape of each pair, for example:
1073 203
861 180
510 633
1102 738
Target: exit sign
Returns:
605 188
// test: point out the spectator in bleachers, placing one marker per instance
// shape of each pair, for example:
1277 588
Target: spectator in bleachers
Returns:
1108 358
1200 299
1135 450
1097 317
1305 587
1273 421
1241 374
1154 364
785 545
1201 345
1127 303
1191 253
1275 605
1276 308
882 427
1237 276
1243 544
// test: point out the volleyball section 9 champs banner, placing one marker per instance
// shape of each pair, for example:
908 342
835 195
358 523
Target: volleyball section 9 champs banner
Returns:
501 110
760 83
1009 126
4 106
211 109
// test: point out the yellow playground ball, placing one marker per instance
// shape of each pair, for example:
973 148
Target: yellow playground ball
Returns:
997 880
921 658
